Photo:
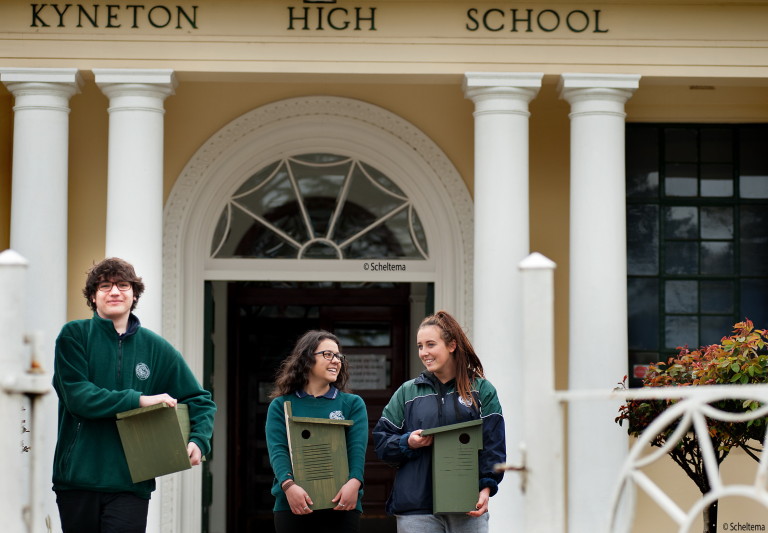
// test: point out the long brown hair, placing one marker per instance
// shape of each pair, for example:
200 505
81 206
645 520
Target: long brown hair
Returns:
293 373
468 365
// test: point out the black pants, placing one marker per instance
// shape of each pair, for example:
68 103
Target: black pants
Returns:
85 511
323 521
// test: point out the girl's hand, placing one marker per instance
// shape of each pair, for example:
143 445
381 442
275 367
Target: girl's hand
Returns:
415 440
298 499
346 498
482 503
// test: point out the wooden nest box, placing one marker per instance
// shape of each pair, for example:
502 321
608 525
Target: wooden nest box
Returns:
318 448
455 480
155 440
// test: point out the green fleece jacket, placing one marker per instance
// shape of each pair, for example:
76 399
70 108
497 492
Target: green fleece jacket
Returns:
335 405
99 373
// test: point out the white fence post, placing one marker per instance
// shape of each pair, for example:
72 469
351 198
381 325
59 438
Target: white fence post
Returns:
544 479
19 382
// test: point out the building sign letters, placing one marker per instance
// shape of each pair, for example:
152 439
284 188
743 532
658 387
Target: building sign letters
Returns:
529 20
113 16
313 16
337 18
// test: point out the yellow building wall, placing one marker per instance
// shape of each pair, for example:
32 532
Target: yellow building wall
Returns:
87 201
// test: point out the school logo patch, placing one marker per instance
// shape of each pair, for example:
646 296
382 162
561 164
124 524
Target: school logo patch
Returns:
464 401
336 415
142 371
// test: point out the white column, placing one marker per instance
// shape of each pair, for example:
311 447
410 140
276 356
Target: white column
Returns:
135 199
39 231
501 242
598 289
135 176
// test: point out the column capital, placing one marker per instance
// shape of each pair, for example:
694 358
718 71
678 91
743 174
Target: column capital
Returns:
502 79
58 82
501 91
575 87
151 83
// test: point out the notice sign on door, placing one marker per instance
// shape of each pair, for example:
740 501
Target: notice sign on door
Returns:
367 371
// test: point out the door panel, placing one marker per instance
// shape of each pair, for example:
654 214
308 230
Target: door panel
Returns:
264 322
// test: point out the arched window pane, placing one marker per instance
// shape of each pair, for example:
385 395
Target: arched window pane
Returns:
319 206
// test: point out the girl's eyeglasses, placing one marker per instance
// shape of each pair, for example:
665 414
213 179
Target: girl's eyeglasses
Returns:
328 355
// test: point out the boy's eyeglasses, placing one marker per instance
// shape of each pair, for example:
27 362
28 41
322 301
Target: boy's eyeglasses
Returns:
122 286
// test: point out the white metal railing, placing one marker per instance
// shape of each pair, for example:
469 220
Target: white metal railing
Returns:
689 415
544 432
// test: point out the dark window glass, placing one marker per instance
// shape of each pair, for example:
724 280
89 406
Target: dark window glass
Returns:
681 257
717 145
681 144
642 162
716 258
753 226
716 297
643 239
714 328
697 247
681 179
753 159
363 334
754 295
681 296
681 222
680 331
643 293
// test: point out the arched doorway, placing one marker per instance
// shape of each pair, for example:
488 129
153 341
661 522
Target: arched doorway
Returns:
344 128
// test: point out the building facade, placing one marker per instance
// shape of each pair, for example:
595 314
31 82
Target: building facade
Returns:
270 166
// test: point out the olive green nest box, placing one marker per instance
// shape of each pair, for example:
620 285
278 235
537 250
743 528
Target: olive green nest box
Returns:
318 448
155 440
455 480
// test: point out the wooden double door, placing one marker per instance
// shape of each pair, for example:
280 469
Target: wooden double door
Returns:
264 321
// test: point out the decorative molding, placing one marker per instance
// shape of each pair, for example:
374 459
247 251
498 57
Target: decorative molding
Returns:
206 161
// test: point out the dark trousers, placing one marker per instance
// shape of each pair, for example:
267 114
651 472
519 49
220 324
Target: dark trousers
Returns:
85 511
323 521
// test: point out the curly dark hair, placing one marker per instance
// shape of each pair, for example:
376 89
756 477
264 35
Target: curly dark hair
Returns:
111 269
293 373
468 365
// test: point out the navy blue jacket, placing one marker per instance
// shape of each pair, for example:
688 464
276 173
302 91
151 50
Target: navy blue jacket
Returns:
425 403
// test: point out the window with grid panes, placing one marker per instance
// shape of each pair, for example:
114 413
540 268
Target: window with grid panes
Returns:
697 235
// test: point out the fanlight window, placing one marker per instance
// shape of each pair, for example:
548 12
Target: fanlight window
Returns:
319 206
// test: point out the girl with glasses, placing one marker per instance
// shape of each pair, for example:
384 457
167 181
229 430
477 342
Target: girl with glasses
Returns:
314 379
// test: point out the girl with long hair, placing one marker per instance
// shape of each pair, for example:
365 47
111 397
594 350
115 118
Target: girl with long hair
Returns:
314 379
451 389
